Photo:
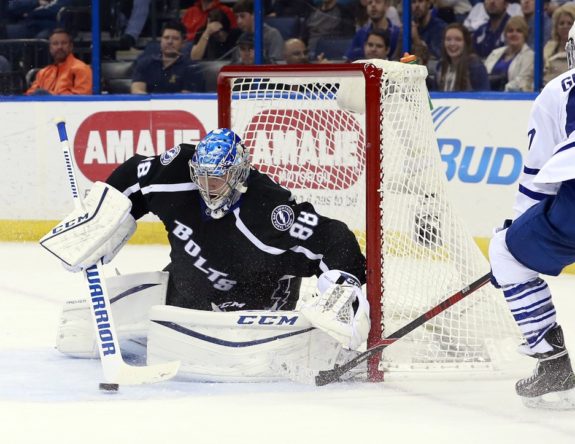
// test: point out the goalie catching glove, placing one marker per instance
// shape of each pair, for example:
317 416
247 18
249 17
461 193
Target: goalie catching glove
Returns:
339 308
97 231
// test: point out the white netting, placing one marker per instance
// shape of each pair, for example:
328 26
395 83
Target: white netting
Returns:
428 253
299 135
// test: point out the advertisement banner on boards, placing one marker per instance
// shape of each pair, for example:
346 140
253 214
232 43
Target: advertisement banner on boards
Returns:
481 143
103 135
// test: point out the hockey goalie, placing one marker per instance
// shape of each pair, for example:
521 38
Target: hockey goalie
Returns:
225 306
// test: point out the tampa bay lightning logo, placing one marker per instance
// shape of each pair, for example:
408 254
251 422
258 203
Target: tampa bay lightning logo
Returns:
282 217
169 155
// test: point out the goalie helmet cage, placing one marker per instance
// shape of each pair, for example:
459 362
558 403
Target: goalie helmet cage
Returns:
379 170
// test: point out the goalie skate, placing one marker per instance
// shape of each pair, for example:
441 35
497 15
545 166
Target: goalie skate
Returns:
552 385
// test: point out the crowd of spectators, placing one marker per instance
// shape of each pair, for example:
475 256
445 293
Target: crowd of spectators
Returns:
467 45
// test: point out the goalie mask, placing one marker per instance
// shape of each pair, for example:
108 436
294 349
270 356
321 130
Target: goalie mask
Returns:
219 167
570 48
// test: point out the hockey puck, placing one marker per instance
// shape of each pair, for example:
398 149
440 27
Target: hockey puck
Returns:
109 387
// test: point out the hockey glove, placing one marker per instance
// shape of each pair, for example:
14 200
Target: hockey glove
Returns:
98 231
339 308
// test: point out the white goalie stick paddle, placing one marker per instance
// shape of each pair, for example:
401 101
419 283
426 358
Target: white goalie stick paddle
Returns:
115 369
325 377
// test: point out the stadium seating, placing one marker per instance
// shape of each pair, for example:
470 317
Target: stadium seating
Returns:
289 27
12 83
209 71
117 76
25 54
333 48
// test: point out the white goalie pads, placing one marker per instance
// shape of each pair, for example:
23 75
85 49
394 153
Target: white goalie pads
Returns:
97 231
131 297
242 346
239 346
340 309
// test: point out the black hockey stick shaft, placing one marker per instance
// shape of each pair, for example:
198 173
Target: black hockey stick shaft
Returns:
325 377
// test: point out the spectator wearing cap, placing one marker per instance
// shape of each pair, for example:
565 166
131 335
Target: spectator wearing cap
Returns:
196 16
246 49
272 40
169 71
217 40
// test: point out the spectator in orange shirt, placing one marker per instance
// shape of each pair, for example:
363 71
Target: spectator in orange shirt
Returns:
196 16
67 75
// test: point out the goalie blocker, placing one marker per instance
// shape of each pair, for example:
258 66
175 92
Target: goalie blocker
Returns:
97 231
223 346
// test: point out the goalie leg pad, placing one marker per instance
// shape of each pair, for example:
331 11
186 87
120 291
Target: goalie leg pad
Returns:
239 346
131 297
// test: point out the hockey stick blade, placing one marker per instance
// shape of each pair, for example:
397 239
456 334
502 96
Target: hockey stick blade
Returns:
325 377
115 369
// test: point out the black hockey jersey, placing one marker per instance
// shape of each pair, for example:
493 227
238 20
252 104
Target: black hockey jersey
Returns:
248 258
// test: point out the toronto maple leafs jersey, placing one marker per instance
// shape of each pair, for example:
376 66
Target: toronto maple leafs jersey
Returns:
249 258
542 236
551 139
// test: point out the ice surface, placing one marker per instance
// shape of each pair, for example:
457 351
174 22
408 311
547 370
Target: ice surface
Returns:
46 398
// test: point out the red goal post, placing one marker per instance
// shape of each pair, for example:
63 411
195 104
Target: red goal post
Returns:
357 140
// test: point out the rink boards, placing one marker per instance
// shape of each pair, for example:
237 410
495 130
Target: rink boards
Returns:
482 140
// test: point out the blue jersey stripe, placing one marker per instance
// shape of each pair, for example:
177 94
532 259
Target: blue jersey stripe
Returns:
570 109
531 171
532 194
566 147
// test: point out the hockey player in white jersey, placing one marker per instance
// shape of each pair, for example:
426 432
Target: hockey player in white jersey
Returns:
541 240
239 243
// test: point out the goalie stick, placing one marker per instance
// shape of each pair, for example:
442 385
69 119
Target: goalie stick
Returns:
116 371
325 377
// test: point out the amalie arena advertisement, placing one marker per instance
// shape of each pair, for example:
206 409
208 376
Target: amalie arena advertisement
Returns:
106 139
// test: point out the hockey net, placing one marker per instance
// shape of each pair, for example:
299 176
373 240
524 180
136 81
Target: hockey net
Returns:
379 170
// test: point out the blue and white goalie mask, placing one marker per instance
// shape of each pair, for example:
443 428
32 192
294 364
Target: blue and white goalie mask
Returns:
220 167
570 48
